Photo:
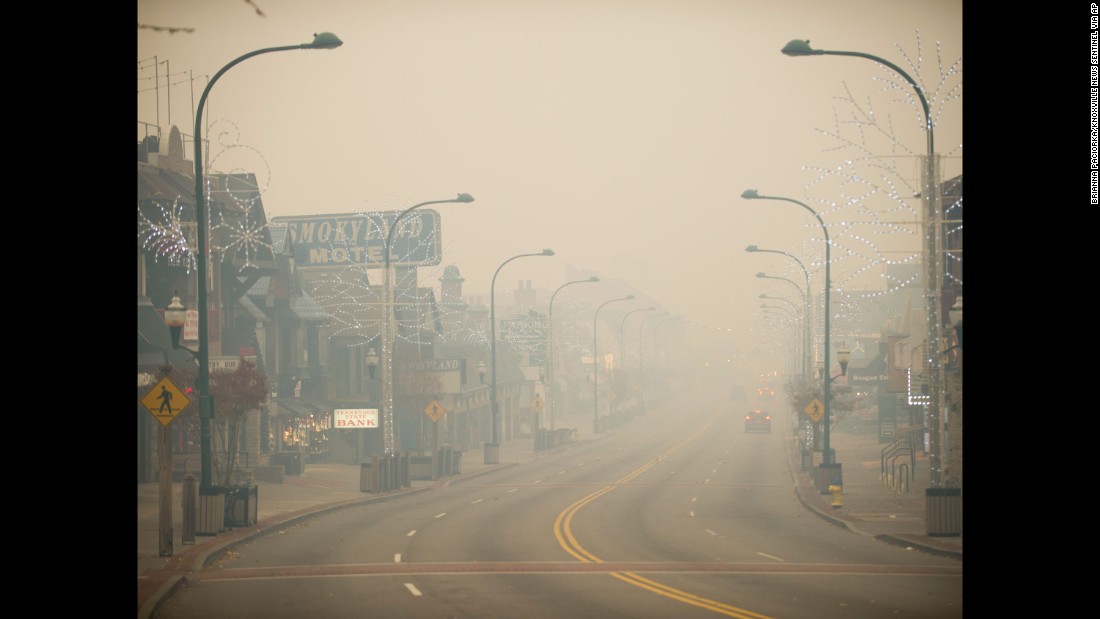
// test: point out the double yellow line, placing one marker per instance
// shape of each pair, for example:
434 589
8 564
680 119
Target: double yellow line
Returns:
564 534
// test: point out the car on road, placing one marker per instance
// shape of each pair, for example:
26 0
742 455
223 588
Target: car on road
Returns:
758 421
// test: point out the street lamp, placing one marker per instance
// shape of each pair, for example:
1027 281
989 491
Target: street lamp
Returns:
843 356
596 365
389 320
807 345
805 294
622 330
492 450
641 374
175 316
550 347
324 40
933 238
751 194
955 315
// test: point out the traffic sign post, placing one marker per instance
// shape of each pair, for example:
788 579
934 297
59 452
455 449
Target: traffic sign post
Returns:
815 410
164 401
435 412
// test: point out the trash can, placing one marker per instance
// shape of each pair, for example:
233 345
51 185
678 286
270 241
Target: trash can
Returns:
368 476
243 506
211 511
291 460
943 511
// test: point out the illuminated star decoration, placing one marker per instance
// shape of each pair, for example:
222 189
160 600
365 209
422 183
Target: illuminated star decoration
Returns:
165 237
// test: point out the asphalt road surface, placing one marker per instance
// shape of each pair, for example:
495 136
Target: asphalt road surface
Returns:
678 514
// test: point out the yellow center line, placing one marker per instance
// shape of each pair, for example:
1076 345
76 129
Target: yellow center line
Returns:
564 534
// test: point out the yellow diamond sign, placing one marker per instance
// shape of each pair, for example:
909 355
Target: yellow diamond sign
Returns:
435 411
815 410
164 401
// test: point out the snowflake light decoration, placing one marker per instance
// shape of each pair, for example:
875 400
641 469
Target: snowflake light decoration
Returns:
166 236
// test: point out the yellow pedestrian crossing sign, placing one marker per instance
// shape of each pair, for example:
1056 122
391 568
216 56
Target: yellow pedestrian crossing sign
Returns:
164 401
537 404
435 411
815 410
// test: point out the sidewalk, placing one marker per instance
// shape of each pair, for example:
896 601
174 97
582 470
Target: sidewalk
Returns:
868 506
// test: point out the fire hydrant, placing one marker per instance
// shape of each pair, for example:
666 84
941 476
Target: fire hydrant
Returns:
836 488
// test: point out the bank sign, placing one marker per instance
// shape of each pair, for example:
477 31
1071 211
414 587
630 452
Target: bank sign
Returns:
360 238
355 418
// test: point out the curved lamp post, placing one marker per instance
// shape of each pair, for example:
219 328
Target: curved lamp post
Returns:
550 347
492 450
324 40
641 374
933 237
781 317
389 342
751 194
805 295
596 364
622 330
807 345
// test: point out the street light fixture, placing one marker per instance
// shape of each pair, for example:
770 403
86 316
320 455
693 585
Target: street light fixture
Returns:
805 294
622 330
807 345
955 315
324 40
751 194
550 347
492 450
372 361
175 316
641 374
596 364
933 239
389 321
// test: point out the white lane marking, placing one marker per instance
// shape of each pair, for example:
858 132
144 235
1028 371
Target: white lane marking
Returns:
441 514
709 531
513 490
476 502
413 590
397 558
706 481
537 481
694 499
692 514
411 533
563 472
714 471
762 554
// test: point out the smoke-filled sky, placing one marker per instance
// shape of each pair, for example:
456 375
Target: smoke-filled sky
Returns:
619 133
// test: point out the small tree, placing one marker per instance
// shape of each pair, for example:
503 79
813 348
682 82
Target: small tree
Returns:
235 394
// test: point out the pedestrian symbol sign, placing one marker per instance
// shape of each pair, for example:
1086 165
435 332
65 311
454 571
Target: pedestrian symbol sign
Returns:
815 410
164 401
537 404
435 411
